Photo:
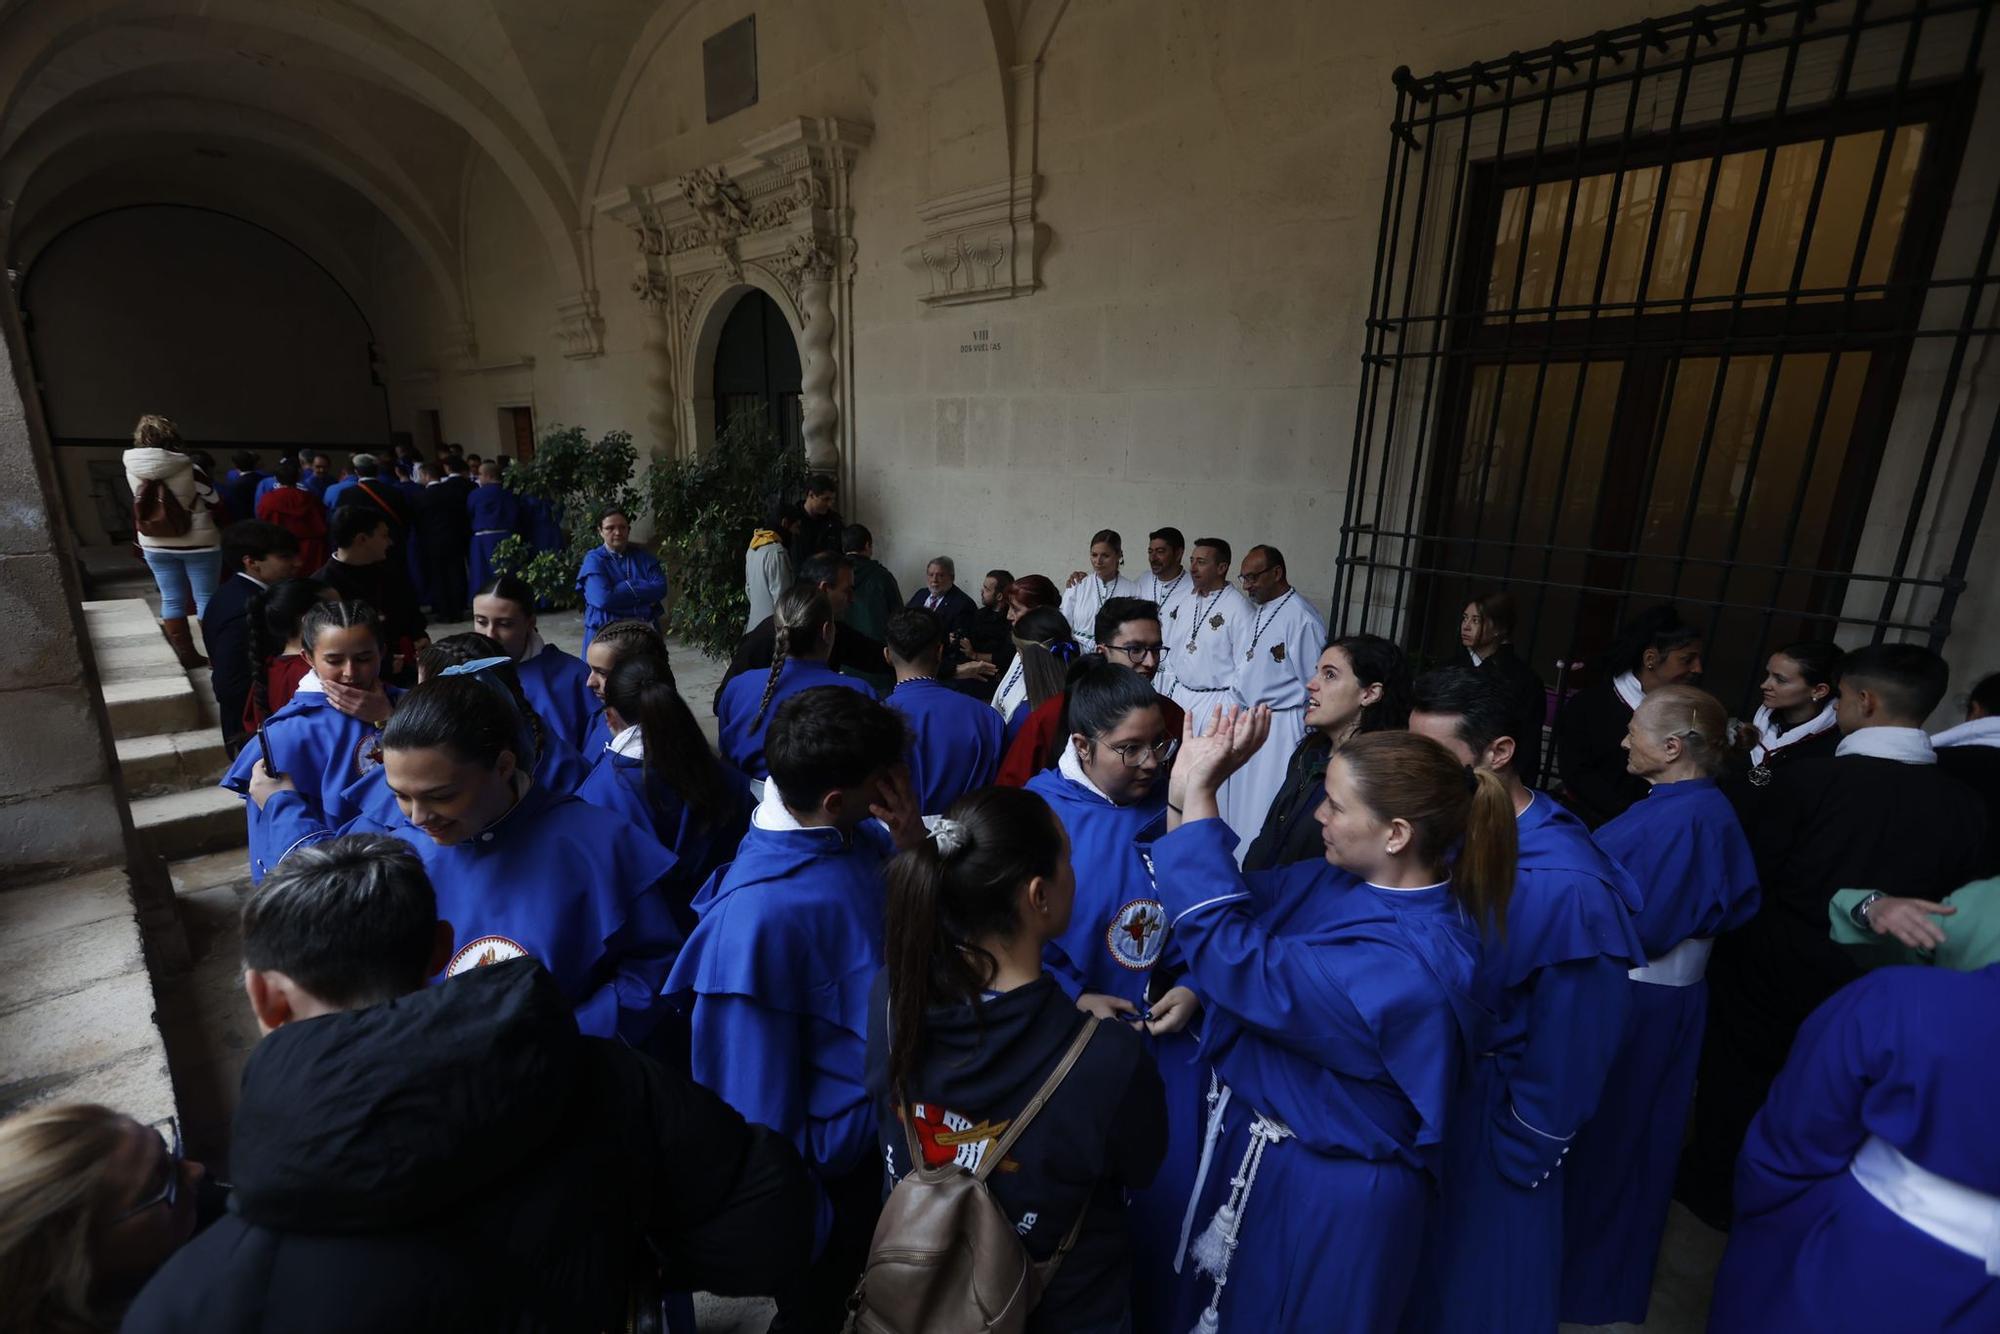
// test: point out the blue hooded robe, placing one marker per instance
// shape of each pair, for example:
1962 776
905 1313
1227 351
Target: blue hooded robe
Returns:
619 587
739 731
576 887
954 741
558 686
1345 1012
1684 848
1556 984
1887 1098
496 516
620 783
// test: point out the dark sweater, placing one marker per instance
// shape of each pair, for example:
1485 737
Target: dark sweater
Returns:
460 1158
1104 1131
1590 755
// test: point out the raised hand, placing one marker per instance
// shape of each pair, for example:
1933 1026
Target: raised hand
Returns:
897 808
370 706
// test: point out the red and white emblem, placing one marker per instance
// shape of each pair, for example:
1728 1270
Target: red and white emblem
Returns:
1137 934
483 951
946 1137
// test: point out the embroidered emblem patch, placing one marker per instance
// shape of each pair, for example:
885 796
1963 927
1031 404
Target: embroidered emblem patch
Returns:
946 1137
1137 934
1215 622
368 754
483 951
1278 651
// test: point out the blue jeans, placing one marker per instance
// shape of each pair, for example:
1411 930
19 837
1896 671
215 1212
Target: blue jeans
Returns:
176 570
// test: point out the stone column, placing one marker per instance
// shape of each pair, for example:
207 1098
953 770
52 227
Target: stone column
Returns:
812 269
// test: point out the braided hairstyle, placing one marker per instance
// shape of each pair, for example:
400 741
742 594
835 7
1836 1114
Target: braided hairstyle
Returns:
324 616
271 617
641 689
803 614
1047 647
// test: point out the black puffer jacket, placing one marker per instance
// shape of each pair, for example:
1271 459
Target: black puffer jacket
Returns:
461 1158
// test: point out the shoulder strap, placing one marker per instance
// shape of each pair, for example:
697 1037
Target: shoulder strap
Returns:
375 496
1084 1033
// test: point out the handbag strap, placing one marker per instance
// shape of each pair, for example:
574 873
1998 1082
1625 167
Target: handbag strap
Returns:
1085 1031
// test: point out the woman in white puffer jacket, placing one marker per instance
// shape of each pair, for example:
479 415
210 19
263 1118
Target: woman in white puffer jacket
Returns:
185 565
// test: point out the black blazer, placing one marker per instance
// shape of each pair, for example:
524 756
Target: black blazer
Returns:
1530 706
957 610
1590 754
225 629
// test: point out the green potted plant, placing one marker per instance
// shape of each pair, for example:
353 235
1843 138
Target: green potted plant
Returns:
580 477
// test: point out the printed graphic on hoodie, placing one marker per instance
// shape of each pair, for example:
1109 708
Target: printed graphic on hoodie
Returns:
946 1137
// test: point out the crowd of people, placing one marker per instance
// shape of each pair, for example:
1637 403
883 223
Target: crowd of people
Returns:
1096 954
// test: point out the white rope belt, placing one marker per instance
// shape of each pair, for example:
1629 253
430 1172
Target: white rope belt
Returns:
1213 1250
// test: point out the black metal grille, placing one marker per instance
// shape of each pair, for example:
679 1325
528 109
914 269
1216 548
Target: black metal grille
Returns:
1679 312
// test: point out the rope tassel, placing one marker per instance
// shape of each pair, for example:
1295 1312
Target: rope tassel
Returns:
1213 1251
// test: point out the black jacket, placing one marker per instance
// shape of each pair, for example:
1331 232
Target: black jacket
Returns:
817 535
1978 767
461 1159
957 609
225 629
384 586
443 524
1104 1131
1590 755
1290 833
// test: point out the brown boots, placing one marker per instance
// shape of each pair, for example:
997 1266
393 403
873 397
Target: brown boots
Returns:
177 633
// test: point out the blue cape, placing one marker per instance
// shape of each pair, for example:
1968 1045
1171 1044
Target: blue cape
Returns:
621 784
558 685
1117 927
740 732
954 742
1685 848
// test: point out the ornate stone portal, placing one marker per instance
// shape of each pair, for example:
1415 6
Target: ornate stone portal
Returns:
777 218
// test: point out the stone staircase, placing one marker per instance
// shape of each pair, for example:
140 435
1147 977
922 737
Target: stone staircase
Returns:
164 721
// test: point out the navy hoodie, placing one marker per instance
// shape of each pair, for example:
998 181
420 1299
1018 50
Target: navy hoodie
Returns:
1104 1131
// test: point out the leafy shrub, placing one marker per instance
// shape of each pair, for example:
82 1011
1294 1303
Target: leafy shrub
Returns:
704 510
580 477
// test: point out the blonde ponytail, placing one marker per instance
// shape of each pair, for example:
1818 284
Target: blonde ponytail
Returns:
1483 877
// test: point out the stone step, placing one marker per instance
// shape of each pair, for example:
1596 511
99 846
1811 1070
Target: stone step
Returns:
173 762
152 707
188 824
77 1009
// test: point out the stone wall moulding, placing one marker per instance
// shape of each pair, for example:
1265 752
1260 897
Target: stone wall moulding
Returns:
777 215
578 327
981 244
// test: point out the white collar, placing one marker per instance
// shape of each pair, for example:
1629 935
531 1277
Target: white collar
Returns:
1771 737
1905 745
1070 766
1405 889
245 574
772 813
1978 732
535 645
628 744
309 684
1473 654
1629 690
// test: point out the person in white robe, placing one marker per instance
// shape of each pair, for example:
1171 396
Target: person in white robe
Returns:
1167 585
1278 653
1088 592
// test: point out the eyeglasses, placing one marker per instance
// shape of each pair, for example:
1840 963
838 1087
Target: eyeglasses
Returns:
1133 753
169 1132
1137 650
1252 576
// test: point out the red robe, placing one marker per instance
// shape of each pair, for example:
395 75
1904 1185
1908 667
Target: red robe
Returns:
303 515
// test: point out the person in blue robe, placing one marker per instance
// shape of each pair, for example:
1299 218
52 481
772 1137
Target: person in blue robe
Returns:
1555 981
1868 1190
787 943
660 773
518 870
328 736
1683 846
496 516
619 581
558 768
1108 792
557 684
955 738
1341 1015
805 627
611 645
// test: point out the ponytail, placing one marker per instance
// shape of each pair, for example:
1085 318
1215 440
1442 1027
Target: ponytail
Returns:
957 887
272 616
641 689
1482 880
803 612
1404 776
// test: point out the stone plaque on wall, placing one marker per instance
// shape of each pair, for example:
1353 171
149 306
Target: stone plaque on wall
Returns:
729 69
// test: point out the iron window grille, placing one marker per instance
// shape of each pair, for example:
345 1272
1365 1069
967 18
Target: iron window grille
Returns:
1680 312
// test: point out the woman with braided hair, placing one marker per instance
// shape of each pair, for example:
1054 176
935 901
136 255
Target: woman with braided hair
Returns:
330 733
1044 648
805 622
611 645
277 663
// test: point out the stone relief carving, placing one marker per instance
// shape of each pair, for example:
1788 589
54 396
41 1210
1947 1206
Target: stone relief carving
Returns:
579 328
982 244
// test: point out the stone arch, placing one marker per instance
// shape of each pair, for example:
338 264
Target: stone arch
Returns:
707 314
38 33
216 120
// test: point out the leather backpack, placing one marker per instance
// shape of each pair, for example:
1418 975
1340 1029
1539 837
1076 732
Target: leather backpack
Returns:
945 1259
158 512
